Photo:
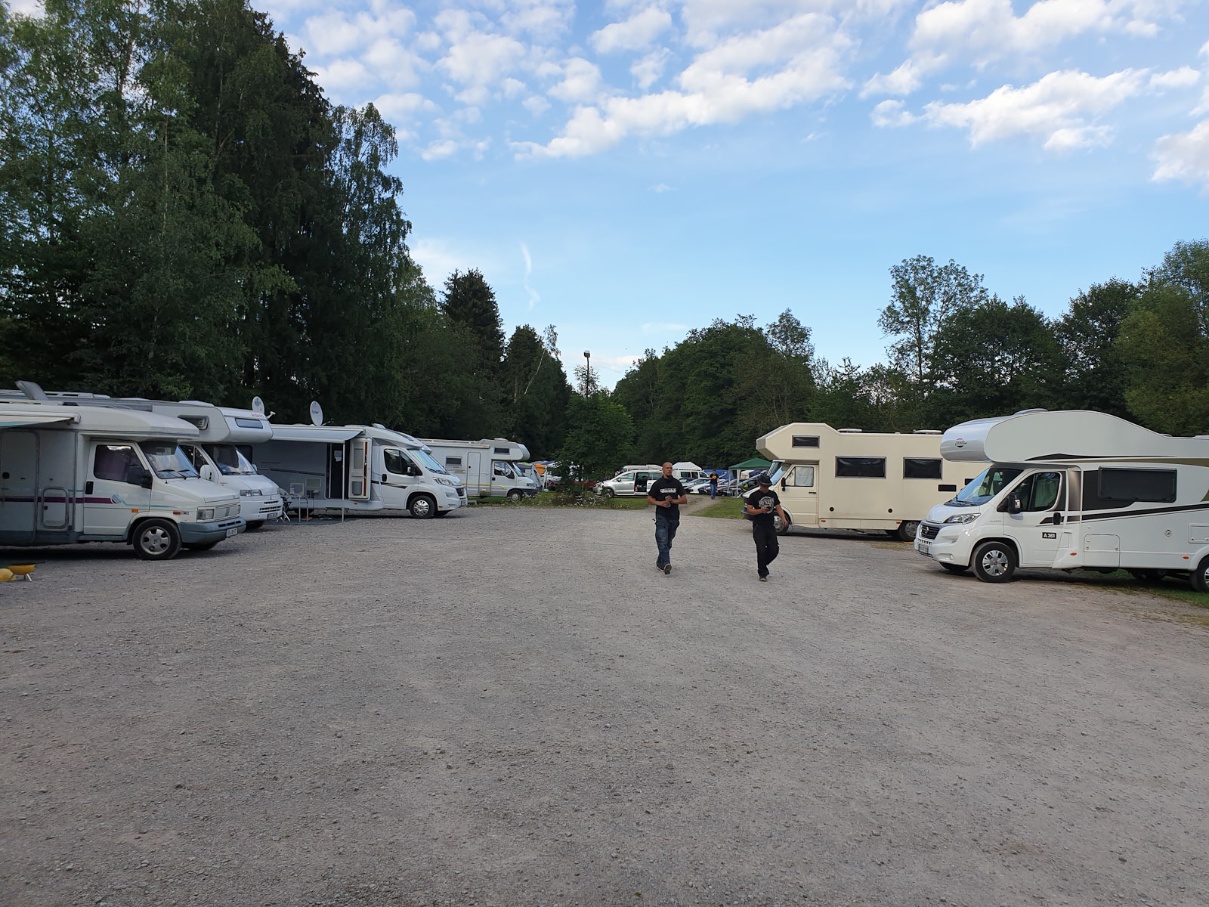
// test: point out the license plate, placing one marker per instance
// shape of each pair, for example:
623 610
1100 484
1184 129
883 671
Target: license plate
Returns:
231 532
925 549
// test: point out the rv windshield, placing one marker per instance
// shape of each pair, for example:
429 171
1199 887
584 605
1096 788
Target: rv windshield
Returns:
424 459
776 471
168 460
986 485
230 461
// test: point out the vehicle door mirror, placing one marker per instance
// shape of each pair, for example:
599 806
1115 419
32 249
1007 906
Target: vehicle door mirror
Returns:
1012 504
413 470
138 475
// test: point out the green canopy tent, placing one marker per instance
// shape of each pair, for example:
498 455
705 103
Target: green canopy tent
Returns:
752 463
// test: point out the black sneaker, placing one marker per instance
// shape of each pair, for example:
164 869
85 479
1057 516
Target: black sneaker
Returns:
667 568
763 579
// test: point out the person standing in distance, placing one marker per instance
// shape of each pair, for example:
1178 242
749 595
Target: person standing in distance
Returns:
713 486
667 494
760 505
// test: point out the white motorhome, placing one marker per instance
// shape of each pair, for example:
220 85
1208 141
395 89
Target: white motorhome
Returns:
633 480
361 468
1073 489
75 473
489 468
215 453
847 479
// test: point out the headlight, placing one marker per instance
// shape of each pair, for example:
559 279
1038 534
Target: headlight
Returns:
441 480
250 492
962 518
205 514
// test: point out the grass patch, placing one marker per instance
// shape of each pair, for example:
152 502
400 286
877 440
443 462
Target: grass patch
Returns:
723 508
568 498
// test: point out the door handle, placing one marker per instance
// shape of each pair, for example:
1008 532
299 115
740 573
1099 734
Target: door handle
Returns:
88 488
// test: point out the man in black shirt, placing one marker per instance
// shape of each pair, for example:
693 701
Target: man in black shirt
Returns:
667 494
759 505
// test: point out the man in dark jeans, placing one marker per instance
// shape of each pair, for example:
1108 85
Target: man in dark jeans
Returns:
667 494
760 505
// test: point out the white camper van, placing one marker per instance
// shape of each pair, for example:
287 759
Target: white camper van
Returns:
1072 489
490 468
215 453
98 474
361 468
632 481
846 479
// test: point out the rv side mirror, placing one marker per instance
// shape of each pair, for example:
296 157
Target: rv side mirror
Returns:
137 475
414 470
1012 504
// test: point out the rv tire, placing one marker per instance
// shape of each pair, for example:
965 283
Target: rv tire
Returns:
515 495
156 540
782 525
994 562
907 530
1200 576
422 506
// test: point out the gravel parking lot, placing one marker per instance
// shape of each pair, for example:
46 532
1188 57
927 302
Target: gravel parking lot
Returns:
511 706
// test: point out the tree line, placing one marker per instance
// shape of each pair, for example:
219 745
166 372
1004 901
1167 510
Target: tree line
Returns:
187 216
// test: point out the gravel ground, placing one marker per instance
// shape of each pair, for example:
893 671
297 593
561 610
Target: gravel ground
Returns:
511 706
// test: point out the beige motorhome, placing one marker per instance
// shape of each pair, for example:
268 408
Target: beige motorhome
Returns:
830 478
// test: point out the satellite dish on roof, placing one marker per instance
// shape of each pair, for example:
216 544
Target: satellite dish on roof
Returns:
258 406
316 413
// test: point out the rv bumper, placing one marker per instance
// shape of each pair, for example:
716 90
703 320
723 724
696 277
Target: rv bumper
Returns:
450 499
201 533
943 543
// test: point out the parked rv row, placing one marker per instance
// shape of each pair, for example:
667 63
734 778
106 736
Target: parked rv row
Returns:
1058 490
162 475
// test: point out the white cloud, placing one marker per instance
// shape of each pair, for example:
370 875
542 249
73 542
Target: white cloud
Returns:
1184 77
543 20
798 59
1056 108
649 69
32 8
635 33
581 82
534 297
343 77
403 108
478 59
892 113
337 33
1184 157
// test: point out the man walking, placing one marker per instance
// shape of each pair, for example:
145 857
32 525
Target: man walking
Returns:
760 505
667 494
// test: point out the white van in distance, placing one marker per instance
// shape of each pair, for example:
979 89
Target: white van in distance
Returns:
489 468
1073 489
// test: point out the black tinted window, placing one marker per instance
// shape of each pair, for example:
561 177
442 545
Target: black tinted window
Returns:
860 467
921 467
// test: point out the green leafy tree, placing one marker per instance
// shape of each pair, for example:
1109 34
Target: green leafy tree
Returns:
992 359
469 300
536 392
1093 372
599 436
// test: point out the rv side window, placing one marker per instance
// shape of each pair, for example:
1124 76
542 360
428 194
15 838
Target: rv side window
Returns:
802 477
453 461
395 461
501 451
112 461
805 440
921 468
860 467
1119 487
1040 491
500 468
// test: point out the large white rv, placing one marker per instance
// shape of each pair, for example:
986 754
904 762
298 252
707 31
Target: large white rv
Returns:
99 474
490 468
361 468
215 453
846 479
1072 489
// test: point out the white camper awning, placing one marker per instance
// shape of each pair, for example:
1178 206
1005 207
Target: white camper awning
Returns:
8 420
315 433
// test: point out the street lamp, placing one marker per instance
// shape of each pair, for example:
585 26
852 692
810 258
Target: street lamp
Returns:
587 370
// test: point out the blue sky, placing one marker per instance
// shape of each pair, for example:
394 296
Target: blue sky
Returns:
631 169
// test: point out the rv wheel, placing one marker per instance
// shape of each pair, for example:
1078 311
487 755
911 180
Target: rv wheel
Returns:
156 540
422 506
515 495
994 562
782 525
907 530
1200 576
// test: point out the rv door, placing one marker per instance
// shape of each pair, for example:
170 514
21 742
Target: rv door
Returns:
799 494
19 492
115 488
1034 515
358 469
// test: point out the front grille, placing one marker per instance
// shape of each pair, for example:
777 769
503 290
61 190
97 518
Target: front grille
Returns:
928 531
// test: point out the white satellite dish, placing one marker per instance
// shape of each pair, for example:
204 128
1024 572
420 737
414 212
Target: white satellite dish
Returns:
316 413
258 406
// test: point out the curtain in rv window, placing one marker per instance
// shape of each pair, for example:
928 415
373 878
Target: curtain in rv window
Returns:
860 467
1111 487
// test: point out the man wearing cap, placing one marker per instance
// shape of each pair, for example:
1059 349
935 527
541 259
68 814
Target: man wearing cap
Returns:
759 505
667 494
